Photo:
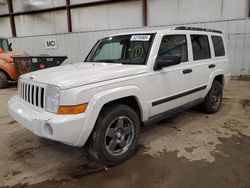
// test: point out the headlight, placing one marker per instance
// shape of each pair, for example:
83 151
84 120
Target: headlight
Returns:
52 97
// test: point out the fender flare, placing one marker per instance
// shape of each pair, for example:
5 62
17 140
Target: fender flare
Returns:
212 77
100 99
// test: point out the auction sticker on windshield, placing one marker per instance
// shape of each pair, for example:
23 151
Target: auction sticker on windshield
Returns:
140 38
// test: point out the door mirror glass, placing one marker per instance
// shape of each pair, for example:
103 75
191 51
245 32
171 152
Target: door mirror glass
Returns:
165 61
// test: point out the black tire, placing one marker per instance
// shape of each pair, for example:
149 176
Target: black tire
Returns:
3 80
213 100
100 141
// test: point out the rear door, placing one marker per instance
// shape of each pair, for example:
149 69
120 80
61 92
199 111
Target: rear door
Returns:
201 59
220 61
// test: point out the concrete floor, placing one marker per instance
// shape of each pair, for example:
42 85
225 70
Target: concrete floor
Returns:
191 149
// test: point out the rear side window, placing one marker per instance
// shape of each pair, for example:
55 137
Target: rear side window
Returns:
200 45
174 45
218 44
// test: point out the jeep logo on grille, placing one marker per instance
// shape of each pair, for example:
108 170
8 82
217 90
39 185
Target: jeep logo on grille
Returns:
31 77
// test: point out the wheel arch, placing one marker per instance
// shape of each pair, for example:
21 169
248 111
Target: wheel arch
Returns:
220 78
5 72
131 101
9 69
216 75
117 95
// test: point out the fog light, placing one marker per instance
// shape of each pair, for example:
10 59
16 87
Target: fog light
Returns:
48 129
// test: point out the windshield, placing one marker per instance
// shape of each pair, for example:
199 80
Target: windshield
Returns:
4 44
125 49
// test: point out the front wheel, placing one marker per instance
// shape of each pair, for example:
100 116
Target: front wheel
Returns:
3 80
115 136
213 100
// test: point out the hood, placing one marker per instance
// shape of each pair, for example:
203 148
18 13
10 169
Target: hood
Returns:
79 74
7 56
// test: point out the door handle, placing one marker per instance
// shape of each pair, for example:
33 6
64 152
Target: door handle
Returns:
211 66
187 71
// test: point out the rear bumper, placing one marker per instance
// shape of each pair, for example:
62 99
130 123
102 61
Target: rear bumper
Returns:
65 128
227 80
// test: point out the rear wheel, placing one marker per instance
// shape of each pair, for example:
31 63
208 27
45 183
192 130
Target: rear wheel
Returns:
213 100
115 136
3 80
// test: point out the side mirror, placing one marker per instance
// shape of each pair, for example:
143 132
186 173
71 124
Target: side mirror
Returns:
10 46
165 61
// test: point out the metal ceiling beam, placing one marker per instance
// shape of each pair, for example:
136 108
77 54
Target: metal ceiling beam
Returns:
71 6
4 15
94 3
69 20
144 12
12 19
67 7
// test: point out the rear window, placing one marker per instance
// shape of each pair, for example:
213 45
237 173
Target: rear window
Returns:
218 44
200 45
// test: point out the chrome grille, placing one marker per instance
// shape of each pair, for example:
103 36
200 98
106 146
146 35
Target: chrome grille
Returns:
32 94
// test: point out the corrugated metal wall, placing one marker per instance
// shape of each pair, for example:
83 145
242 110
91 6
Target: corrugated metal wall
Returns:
122 14
77 45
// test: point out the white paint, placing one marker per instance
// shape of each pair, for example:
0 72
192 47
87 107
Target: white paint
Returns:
100 83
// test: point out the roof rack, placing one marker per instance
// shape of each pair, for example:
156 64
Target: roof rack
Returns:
197 29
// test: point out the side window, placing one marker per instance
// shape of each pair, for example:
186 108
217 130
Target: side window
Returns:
109 51
200 45
5 45
174 45
219 49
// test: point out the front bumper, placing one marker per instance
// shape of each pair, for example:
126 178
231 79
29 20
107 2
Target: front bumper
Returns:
66 128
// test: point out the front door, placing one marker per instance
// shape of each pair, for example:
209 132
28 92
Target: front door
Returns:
171 86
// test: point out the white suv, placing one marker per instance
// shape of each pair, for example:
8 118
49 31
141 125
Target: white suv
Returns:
126 81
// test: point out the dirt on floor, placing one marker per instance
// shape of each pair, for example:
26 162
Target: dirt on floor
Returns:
190 149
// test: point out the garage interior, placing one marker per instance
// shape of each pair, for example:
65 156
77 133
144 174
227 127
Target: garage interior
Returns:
189 149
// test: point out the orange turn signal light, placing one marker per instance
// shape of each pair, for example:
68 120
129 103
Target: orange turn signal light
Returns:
76 109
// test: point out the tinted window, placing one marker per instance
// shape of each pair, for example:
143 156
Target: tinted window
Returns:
219 49
174 45
200 45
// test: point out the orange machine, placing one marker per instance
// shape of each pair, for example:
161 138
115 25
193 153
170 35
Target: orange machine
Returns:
7 66
13 64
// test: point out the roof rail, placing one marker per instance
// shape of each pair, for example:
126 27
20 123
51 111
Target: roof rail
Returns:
197 29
